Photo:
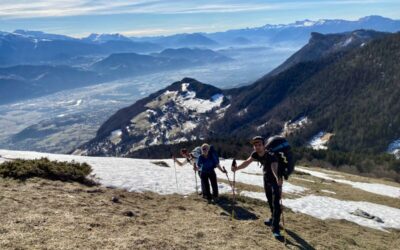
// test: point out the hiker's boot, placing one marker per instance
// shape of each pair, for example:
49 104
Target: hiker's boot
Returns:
268 222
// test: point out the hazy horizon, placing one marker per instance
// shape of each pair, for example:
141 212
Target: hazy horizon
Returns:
153 18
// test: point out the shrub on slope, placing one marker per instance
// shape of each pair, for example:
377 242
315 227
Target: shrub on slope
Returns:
44 168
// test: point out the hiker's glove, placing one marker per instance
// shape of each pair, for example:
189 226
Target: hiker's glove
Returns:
234 168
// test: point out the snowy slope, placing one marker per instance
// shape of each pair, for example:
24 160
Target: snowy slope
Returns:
324 208
130 174
143 175
376 188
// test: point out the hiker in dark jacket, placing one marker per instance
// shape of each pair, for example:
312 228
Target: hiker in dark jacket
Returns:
206 163
272 182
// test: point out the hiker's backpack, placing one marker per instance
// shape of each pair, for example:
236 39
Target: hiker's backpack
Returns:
280 147
214 154
196 152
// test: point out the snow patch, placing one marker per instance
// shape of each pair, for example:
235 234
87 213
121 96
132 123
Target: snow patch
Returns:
115 136
134 175
394 148
185 87
190 102
375 188
327 191
323 208
347 42
252 175
292 126
319 141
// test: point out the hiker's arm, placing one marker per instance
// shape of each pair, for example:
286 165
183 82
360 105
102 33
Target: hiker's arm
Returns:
221 169
178 162
244 164
195 168
274 167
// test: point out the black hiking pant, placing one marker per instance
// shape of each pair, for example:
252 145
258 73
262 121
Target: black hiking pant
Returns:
206 179
273 193
201 183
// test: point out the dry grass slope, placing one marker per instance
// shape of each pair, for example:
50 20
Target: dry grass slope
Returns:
44 214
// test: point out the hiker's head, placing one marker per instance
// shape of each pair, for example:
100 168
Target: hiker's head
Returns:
258 144
205 148
184 152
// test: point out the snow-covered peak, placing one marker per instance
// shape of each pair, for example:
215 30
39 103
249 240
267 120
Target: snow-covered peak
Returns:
297 24
40 35
304 23
102 38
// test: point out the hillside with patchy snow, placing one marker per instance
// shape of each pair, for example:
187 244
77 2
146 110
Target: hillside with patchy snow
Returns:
318 193
181 112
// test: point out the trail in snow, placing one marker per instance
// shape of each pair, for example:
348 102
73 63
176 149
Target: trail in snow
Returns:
376 188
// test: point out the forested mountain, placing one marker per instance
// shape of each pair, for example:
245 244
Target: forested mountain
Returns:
351 94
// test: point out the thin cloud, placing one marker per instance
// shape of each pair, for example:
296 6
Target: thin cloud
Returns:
56 8
164 31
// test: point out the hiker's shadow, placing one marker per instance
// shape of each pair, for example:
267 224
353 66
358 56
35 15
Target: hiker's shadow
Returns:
299 242
240 212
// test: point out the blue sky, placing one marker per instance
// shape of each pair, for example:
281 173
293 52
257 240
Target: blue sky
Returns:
161 17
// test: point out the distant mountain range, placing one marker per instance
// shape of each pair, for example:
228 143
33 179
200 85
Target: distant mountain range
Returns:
299 32
128 64
182 40
344 86
33 47
28 81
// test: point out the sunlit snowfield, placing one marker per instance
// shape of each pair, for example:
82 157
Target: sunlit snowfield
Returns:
319 193
62 121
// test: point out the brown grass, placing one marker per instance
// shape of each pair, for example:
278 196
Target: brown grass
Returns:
42 214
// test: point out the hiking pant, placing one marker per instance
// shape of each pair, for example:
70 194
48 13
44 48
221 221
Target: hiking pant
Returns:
273 193
201 183
206 179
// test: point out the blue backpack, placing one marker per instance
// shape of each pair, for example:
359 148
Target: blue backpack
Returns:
214 155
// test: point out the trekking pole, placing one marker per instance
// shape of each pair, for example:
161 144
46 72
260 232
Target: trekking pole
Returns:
176 178
227 176
283 218
195 177
233 188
